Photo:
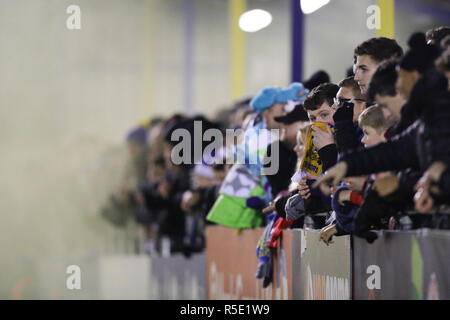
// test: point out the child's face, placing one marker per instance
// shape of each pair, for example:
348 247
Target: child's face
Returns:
289 132
372 137
323 114
299 147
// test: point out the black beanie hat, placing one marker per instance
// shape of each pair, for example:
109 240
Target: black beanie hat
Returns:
316 79
421 55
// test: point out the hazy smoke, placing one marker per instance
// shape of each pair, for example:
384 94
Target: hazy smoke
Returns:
50 219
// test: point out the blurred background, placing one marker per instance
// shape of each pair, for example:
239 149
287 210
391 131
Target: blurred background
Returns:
68 97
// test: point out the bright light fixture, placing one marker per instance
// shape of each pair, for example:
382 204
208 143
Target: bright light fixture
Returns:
254 20
309 6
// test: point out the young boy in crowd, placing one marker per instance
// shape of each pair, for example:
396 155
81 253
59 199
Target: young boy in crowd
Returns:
374 124
320 107
348 198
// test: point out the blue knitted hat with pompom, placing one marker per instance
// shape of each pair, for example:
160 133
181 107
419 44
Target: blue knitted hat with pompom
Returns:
292 93
264 99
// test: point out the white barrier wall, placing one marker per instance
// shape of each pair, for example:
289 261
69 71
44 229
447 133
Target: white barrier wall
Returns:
320 272
124 277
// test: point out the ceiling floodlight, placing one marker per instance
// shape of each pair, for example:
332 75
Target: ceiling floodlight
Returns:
309 6
254 20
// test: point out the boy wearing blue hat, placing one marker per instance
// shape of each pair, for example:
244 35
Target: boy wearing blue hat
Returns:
271 102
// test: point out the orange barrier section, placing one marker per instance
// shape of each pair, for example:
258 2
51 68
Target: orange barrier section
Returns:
231 265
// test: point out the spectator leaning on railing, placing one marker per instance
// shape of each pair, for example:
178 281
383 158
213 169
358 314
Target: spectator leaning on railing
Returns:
425 141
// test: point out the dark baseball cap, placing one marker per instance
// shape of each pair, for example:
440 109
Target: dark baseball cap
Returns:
297 114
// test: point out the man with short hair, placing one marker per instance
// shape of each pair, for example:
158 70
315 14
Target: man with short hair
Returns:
349 91
369 54
382 90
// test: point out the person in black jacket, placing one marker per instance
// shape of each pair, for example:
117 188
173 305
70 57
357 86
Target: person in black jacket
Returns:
443 63
198 201
350 103
382 90
436 179
434 184
425 141
162 200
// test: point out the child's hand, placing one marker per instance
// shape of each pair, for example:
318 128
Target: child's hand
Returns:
270 208
327 233
303 188
322 138
344 195
332 176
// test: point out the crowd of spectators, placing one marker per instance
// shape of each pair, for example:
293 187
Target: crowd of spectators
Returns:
370 152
